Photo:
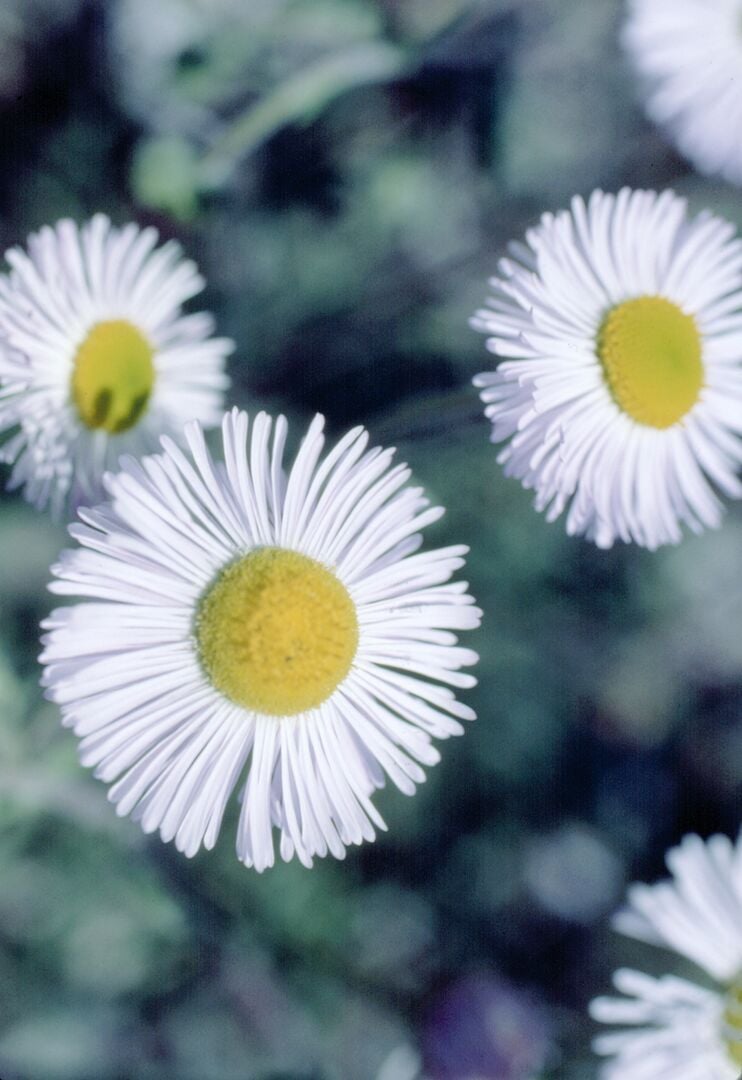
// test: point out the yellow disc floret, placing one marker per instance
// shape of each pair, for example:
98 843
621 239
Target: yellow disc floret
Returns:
113 376
276 632
651 355
733 1023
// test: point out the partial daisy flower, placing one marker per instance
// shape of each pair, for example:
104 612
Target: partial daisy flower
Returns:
237 614
621 395
675 1027
96 356
688 53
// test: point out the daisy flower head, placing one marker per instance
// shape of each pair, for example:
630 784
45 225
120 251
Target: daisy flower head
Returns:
97 357
619 397
688 55
673 1027
238 616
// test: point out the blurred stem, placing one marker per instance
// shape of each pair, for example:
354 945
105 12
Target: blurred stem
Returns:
300 100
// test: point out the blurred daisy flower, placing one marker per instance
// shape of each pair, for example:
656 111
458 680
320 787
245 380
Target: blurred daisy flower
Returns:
97 358
620 397
675 1027
689 53
234 611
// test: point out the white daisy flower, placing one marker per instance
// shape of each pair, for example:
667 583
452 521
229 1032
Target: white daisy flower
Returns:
688 54
97 358
237 612
674 1027
621 397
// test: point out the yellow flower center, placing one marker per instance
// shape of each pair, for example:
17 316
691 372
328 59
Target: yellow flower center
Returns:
733 1023
113 376
651 355
277 632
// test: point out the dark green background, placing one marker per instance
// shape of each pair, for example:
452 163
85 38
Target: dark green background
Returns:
347 227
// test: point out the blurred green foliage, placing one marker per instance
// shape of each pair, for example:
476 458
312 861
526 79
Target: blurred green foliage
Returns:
347 172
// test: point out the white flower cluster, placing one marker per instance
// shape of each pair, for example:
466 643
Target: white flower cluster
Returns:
237 615
246 623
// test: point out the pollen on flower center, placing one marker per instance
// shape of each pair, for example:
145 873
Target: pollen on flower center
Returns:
651 356
113 376
277 632
732 1020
